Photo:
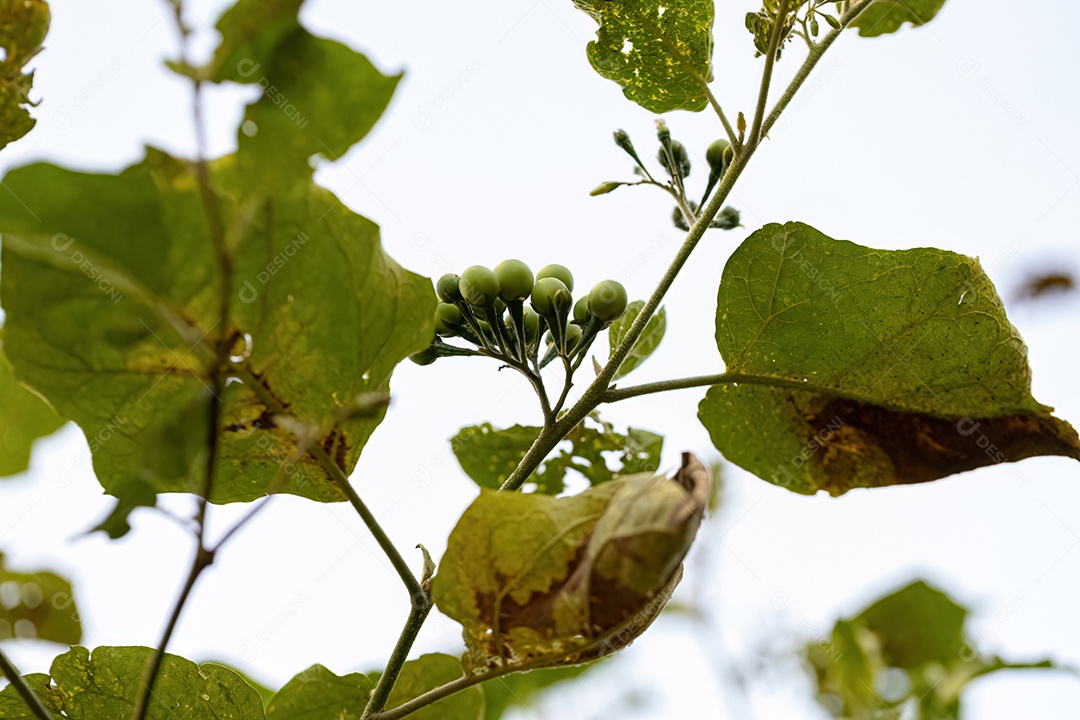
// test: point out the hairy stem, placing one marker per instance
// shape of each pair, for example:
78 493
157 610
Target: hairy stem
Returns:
16 679
633 391
766 75
417 614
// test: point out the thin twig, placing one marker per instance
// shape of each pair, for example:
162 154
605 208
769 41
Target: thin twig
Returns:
33 702
766 74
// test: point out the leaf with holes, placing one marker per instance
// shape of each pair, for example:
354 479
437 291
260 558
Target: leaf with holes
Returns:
658 51
553 581
489 455
39 605
24 417
318 694
23 26
864 368
884 17
428 672
646 343
105 684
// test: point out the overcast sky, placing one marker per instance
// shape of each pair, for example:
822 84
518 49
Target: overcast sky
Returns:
960 135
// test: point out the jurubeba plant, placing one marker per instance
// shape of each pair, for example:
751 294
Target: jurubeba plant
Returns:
235 385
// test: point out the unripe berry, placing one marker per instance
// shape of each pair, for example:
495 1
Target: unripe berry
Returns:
532 324
581 309
550 297
479 286
573 337
607 300
448 319
559 272
447 288
715 156
515 280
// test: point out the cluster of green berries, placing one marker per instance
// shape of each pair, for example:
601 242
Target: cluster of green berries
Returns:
506 312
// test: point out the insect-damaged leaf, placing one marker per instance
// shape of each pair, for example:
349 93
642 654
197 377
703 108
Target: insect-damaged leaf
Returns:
865 368
23 26
659 51
104 685
646 343
884 17
488 455
553 581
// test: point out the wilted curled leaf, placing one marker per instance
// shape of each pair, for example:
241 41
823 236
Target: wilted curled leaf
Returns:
549 581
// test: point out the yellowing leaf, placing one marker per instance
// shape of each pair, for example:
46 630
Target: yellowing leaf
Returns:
659 51
23 25
548 581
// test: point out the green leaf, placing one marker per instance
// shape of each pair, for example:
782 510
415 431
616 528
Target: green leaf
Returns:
130 495
553 581
105 685
489 456
23 26
940 623
428 672
24 417
646 343
520 690
251 31
13 707
658 51
318 694
117 331
319 98
884 17
864 368
37 604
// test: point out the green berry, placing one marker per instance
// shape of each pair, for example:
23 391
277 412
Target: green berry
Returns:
515 280
550 297
607 300
581 309
573 337
532 324
447 288
448 319
479 286
715 156
560 273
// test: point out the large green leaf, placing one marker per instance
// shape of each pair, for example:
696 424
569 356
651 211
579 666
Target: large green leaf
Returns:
488 455
646 343
428 672
863 368
38 605
939 619
23 26
105 684
883 17
250 33
658 51
111 290
318 694
533 578
24 417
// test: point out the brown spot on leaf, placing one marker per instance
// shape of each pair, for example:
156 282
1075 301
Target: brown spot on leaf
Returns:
864 445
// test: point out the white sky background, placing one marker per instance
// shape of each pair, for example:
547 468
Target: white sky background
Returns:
960 135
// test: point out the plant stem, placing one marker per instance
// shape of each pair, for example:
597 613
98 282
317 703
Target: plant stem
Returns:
417 614
596 392
766 75
216 230
633 391
733 137
19 683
